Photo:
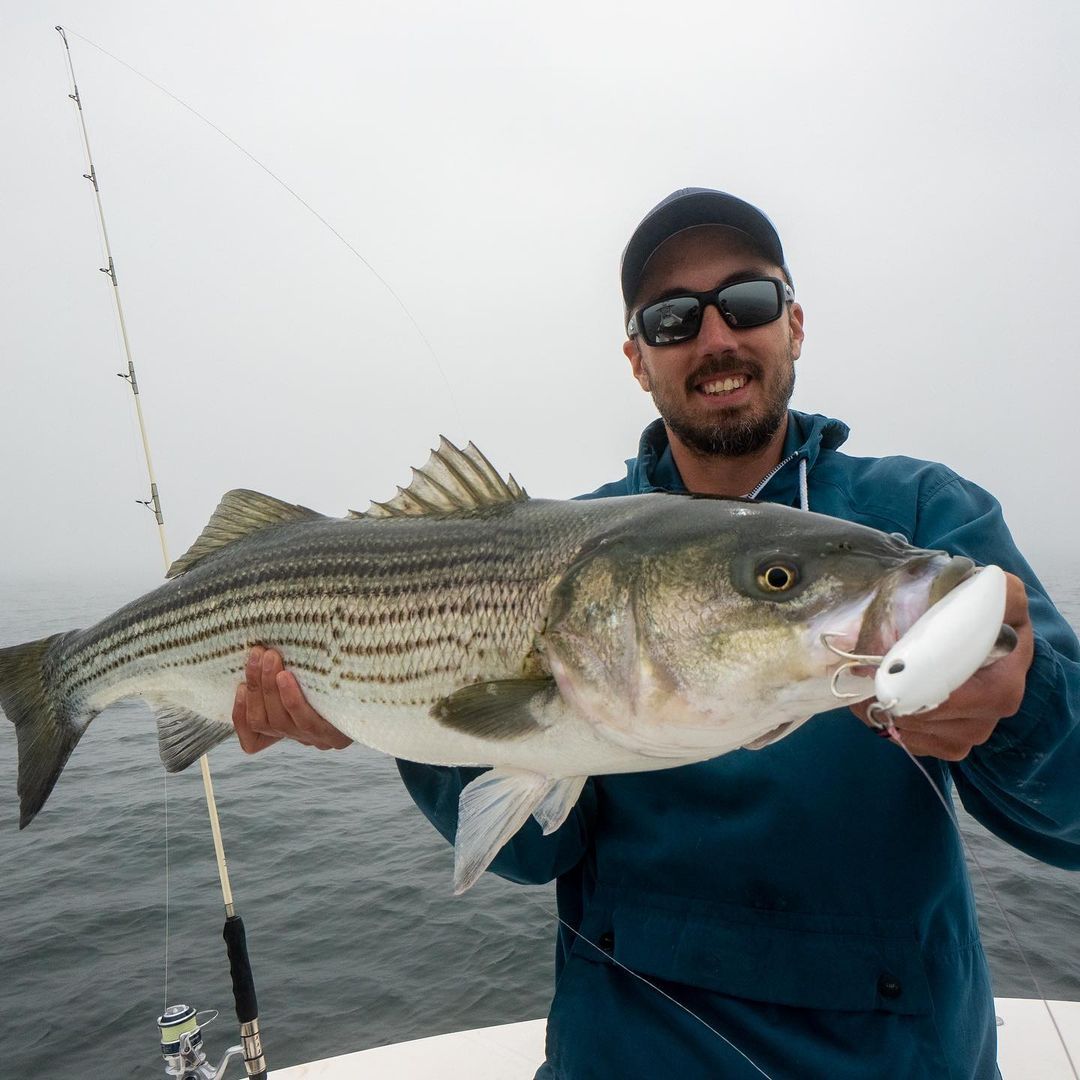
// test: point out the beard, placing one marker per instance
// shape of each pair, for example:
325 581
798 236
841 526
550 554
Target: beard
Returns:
744 431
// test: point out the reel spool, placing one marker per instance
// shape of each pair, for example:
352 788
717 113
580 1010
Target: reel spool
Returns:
182 1045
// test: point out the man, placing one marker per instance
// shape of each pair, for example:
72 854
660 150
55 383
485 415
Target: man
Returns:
808 903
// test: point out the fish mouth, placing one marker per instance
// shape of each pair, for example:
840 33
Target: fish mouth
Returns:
905 595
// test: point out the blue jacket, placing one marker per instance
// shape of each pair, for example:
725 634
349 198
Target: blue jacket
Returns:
810 900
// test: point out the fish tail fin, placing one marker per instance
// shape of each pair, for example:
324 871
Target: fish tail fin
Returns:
45 725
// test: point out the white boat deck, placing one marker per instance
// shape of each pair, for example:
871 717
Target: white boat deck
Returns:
1028 1049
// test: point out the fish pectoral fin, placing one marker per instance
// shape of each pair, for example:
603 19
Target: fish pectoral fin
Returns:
556 805
499 709
490 811
776 734
769 737
240 513
183 736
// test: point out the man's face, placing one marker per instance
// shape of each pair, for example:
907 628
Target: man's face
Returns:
725 392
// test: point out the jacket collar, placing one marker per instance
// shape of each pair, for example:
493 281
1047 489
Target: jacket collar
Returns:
808 434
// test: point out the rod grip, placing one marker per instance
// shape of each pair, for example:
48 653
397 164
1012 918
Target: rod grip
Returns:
243 985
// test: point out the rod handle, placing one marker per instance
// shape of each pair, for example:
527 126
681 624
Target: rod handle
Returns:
247 1007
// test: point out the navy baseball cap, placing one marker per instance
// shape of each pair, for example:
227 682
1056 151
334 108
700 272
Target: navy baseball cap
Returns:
684 209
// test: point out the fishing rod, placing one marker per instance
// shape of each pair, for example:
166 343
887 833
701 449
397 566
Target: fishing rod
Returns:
181 1038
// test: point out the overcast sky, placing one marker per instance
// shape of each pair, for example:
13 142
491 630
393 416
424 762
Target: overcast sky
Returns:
490 161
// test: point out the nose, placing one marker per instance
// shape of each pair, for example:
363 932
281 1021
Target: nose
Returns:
715 335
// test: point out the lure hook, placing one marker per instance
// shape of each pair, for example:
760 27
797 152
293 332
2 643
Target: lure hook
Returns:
851 660
857 658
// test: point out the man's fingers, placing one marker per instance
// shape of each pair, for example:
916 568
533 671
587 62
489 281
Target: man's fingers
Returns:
259 717
270 705
952 740
1016 602
251 742
255 712
277 718
320 732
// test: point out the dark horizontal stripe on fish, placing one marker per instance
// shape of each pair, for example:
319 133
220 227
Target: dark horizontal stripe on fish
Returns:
404 702
423 565
165 645
256 630
165 637
255 624
397 680
396 648
117 631
243 651
111 661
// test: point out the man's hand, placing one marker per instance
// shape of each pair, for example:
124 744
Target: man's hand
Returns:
270 705
969 716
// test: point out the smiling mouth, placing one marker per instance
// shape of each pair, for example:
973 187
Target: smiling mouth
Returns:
721 385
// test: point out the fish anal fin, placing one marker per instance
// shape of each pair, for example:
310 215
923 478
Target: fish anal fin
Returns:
498 709
183 736
240 513
453 481
491 809
556 805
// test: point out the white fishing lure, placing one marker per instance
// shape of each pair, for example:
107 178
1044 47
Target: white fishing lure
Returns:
945 647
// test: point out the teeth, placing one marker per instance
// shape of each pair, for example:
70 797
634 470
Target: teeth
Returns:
723 386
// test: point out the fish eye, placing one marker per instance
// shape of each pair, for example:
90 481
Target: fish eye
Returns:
777 576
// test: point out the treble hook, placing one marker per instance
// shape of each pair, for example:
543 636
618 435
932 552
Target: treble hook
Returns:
852 660
862 658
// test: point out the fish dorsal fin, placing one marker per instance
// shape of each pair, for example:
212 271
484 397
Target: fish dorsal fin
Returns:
452 482
239 514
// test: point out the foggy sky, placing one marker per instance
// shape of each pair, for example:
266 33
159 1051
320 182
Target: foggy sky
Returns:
490 162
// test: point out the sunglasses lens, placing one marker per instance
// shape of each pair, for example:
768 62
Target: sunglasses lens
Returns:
668 321
750 303
743 305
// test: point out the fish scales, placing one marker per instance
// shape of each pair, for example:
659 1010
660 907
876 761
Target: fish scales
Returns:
347 600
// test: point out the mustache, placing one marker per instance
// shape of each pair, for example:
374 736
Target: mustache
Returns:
720 366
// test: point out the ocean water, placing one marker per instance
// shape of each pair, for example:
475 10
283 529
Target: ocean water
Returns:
344 887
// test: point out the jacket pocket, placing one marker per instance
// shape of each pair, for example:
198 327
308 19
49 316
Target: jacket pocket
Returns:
828 962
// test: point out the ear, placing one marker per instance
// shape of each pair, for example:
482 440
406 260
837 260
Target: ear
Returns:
632 352
795 324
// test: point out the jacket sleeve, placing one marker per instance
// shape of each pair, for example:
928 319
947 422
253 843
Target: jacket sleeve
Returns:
530 858
1022 784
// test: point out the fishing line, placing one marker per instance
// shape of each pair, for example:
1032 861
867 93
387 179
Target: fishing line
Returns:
894 736
662 993
299 198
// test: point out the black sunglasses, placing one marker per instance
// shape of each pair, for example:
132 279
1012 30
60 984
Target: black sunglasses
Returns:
742 305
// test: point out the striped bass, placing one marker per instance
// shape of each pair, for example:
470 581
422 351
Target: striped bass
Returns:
463 623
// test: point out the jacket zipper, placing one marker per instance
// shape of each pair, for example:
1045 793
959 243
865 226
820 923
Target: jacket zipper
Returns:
768 476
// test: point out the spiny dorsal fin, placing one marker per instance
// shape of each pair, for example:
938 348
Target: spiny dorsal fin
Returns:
239 514
452 482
